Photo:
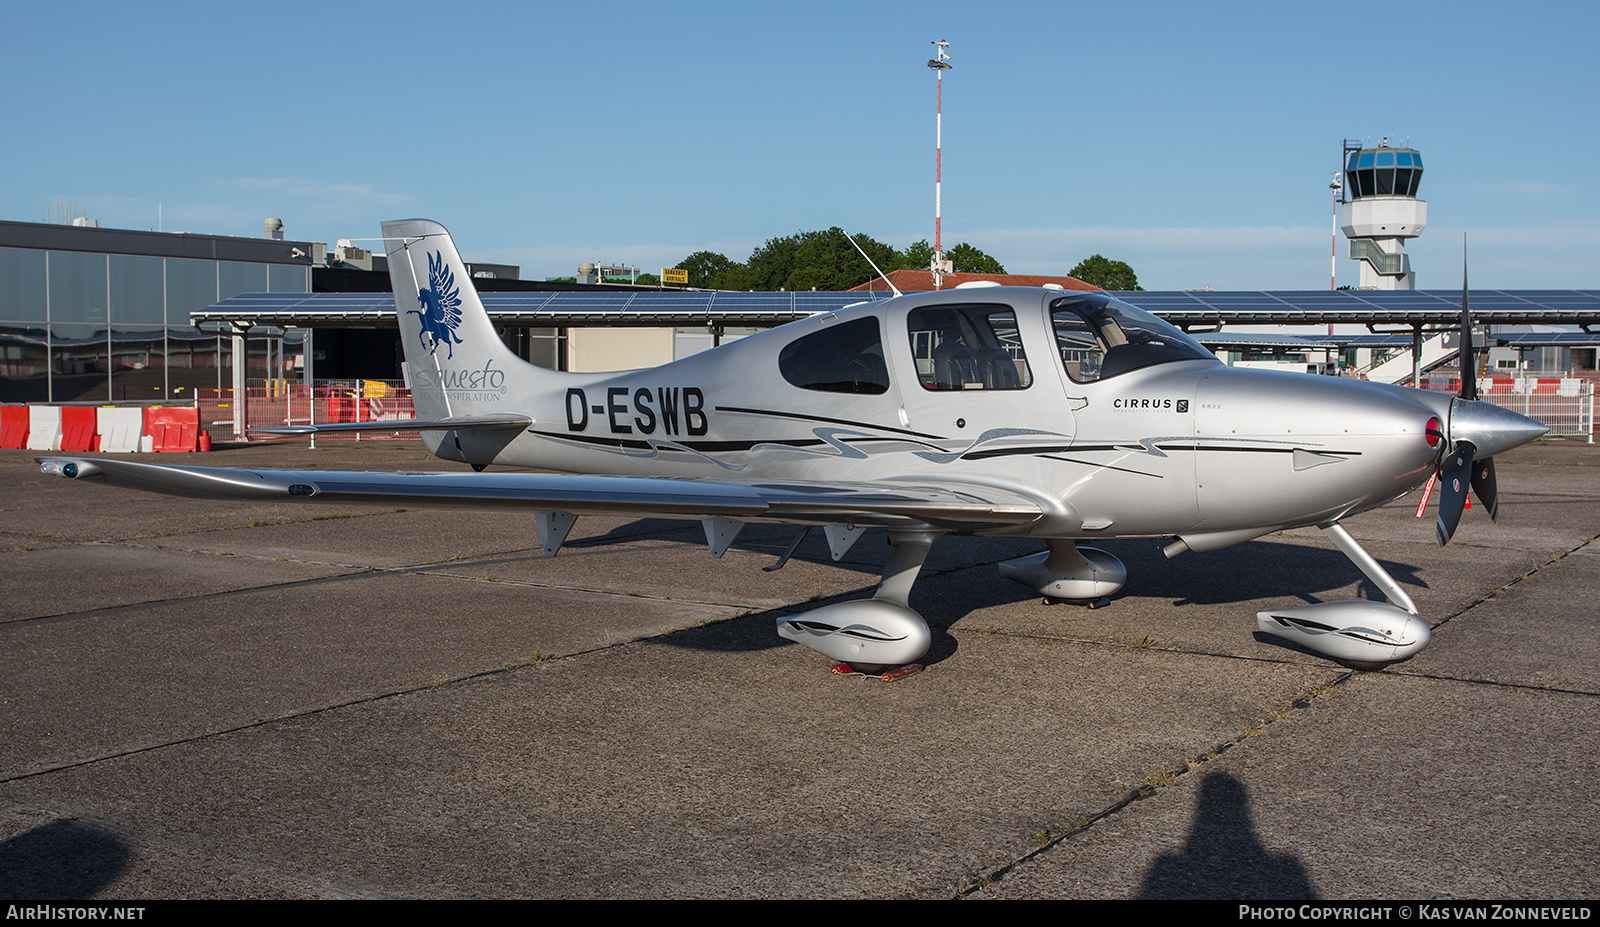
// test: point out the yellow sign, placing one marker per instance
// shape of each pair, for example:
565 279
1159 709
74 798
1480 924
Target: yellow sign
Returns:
675 276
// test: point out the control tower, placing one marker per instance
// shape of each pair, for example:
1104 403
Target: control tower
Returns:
1382 211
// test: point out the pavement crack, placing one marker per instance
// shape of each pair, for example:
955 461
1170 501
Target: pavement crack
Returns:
1152 785
361 573
431 685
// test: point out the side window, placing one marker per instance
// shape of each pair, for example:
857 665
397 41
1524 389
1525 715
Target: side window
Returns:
845 358
1100 338
968 347
1081 349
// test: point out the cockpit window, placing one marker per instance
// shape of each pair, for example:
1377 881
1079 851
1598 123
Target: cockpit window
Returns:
1099 337
846 358
968 347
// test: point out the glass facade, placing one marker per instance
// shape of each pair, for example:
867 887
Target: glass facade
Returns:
1384 172
88 326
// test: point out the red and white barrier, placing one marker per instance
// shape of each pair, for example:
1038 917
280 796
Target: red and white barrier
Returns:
120 428
13 427
44 428
78 429
173 428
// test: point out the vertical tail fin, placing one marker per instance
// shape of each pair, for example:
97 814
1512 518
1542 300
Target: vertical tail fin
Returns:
456 363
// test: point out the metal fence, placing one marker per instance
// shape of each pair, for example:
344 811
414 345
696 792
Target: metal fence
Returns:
1564 404
280 404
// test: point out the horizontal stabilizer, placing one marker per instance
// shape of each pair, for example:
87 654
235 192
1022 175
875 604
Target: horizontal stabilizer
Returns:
510 421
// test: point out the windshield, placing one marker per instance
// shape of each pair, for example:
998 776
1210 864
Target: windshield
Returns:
1099 337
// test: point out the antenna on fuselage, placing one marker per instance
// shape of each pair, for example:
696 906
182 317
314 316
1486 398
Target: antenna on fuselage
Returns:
874 266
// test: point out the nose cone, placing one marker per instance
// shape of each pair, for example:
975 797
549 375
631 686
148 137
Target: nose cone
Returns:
1489 428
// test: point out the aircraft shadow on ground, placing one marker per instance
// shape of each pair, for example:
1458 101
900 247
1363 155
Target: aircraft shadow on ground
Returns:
1222 857
1247 572
1244 572
1250 571
65 859
767 539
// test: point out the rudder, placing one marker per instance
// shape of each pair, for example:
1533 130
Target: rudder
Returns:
456 362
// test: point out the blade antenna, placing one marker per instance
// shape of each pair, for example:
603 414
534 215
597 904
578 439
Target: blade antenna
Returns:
885 277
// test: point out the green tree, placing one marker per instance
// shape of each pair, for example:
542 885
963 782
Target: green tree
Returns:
965 259
704 267
841 264
771 264
825 260
1106 273
883 255
918 256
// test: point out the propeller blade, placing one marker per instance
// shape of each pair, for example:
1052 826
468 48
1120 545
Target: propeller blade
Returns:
1467 353
1485 488
1453 476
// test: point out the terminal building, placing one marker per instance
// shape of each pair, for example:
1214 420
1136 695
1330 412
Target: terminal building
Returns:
90 313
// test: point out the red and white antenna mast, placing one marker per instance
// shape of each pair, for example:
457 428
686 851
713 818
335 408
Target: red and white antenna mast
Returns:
940 64
1337 186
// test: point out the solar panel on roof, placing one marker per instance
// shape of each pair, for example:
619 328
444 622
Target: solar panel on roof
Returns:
674 301
1548 339
589 302
813 302
515 302
764 302
1320 300
1388 307
1251 301
1155 301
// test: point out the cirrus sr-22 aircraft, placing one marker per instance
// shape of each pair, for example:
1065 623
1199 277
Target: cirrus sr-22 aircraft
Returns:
1065 416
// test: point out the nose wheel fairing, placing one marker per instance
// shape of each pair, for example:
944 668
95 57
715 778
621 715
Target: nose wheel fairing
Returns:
1359 634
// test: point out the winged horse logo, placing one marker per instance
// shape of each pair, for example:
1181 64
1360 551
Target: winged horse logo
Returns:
441 307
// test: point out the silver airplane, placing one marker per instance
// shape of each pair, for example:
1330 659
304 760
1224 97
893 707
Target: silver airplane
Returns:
996 411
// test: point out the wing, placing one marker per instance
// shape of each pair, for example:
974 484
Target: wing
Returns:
950 507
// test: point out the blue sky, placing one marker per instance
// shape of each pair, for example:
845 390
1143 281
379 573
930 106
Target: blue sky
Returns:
1193 140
